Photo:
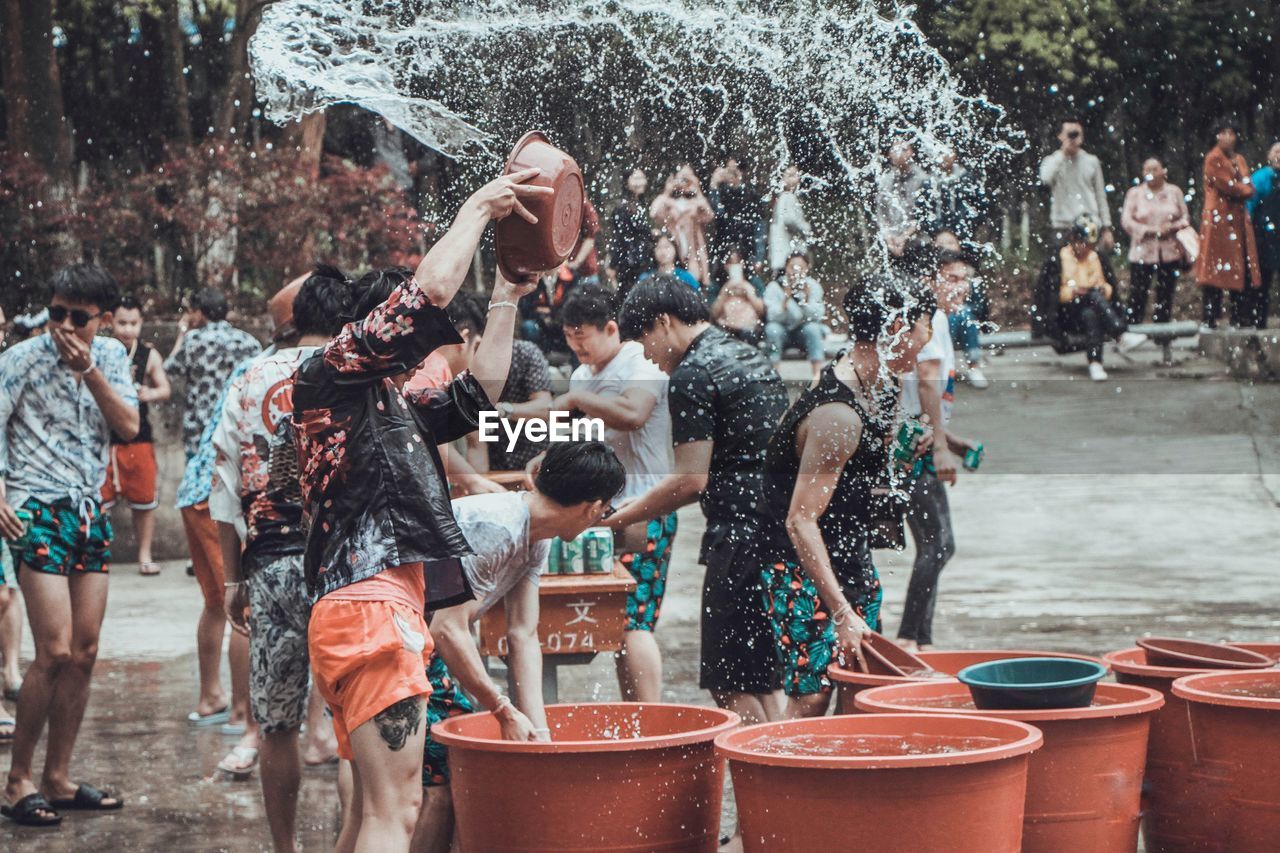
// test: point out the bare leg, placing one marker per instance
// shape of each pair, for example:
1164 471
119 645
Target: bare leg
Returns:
238 657
210 631
351 793
281 778
88 593
320 745
640 667
388 753
144 529
752 707
48 598
11 636
434 833
813 705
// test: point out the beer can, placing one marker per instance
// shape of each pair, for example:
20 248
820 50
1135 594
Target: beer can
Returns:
25 517
904 449
572 558
598 550
973 457
553 558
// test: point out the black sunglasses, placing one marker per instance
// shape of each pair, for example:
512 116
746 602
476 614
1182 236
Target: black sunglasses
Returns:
608 511
79 319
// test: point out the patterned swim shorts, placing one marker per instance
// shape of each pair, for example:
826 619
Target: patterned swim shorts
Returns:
805 634
66 537
447 700
649 568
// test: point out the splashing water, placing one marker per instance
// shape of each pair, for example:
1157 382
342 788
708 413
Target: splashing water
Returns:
467 78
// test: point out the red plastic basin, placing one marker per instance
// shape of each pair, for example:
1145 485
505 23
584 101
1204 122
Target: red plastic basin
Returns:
621 776
911 783
1235 728
1176 791
1084 788
947 663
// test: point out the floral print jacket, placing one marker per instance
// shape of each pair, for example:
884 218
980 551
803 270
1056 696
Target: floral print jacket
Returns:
373 487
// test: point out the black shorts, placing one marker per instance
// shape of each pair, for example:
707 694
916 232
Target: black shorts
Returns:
738 652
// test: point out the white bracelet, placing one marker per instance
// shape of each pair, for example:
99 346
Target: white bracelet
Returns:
503 702
846 611
493 305
87 370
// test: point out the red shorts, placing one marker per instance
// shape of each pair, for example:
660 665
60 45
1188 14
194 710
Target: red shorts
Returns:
366 656
131 474
206 553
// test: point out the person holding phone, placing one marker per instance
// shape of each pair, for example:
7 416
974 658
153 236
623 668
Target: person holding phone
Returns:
1076 186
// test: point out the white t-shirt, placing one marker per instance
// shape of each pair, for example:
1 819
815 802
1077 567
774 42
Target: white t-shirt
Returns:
645 453
939 348
497 528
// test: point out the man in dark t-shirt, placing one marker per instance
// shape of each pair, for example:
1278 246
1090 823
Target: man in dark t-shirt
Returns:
725 402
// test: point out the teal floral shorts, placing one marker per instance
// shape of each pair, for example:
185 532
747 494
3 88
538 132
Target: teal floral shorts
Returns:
649 568
66 538
446 700
802 628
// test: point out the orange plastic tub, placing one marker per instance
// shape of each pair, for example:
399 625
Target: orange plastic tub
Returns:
910 783
1176 790
619 776
1084 788
1235 728
946 664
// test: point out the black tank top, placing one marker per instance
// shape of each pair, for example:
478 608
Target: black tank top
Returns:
138 367
846 522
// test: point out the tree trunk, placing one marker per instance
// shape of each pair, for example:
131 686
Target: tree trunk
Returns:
46 120
175 80
307 138
236 100
17 94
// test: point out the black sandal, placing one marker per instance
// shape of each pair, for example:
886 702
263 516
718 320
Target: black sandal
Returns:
26 812
89 799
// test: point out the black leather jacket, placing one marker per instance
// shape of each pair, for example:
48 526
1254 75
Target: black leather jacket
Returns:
373 486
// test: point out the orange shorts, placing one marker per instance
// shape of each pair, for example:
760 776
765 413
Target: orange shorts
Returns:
131 474
206 553
366 656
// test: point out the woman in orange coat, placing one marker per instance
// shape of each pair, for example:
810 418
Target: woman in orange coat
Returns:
1228 251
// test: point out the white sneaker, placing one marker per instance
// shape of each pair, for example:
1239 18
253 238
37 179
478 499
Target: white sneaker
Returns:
977 378
1096 373
1130 341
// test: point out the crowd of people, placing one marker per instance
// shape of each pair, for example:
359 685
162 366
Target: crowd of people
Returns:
335 519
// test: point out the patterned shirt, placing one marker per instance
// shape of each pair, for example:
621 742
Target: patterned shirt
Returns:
197 477
53 435
255 478
373 485
203 363
529 374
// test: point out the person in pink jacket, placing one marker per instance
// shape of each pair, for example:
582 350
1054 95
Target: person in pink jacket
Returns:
1154 212
684 212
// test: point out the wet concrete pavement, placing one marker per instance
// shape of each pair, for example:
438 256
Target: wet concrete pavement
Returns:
1146 504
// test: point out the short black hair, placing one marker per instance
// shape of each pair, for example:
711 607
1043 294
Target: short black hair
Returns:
575 472
468 311
129 303
322 304
875 303
1225 122
211 302
951 256
375 287
660 294
87 284
589 306
1070 119
799 253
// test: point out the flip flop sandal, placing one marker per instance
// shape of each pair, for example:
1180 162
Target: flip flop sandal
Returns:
26 812
243 755
89 799
149 570
233 729
11 690
10 723
216 718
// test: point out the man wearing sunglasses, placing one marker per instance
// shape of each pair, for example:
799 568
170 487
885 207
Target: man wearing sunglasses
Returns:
61 396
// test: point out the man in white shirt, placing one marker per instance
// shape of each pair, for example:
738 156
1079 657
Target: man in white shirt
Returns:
928 393
508 533
617 384
1076 186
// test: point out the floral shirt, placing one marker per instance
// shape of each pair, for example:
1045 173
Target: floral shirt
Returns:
373 487
197 477
53 436
255 478
203 363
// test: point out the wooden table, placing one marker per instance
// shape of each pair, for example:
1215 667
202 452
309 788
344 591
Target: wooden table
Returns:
578 617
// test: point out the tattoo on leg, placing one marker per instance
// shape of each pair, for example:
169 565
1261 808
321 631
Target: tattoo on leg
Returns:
398 722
